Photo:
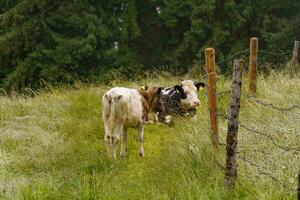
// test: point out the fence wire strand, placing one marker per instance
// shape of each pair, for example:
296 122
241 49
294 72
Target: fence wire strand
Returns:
271 105
286 148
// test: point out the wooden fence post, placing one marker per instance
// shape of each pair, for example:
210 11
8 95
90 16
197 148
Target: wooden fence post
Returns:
212 98
233 116
253 65
242 65
295 53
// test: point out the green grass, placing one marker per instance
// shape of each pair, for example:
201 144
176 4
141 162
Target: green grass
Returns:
51 147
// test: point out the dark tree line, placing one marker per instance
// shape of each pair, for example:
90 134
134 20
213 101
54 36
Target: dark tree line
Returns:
57 41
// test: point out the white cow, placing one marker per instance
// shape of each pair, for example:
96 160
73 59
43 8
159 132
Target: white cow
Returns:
124 108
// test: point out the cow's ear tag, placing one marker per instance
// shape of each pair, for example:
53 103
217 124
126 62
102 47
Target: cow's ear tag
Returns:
143 87
177 91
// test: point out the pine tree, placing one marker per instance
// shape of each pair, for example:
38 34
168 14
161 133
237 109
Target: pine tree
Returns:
63 41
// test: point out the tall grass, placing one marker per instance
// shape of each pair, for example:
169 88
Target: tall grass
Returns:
51 147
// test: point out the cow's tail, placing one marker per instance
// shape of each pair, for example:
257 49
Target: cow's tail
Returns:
113 108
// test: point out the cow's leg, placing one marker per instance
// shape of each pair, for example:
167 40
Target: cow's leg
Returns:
141 139
164 118
106 112
124 139
107 131
114 140
161 117
107 135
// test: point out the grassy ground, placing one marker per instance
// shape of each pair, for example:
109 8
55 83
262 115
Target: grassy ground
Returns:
51 147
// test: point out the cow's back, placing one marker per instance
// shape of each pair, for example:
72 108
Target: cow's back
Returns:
123 105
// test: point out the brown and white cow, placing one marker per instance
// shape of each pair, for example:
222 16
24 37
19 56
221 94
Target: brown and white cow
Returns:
124 108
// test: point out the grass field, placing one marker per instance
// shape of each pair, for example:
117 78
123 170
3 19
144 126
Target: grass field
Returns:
51 147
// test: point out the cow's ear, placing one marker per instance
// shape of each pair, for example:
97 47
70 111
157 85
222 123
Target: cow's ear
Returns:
179 89
200 85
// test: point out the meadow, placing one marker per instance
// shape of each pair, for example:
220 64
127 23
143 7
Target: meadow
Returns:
51 146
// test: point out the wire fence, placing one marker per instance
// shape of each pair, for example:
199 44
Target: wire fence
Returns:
265 135
266 154
271 105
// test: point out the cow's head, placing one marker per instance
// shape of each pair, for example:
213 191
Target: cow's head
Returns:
152 96
188 93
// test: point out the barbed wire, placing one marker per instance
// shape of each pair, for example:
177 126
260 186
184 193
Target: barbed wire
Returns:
223 93
260 170
271 105
271 138
258 101
225 116
245 125
242 124
231 56
286 148
222 143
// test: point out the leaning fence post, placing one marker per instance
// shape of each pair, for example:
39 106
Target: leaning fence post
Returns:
233 116
212 98
295 53
253 65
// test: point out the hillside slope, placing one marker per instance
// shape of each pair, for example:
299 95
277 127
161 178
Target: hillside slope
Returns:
51 147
